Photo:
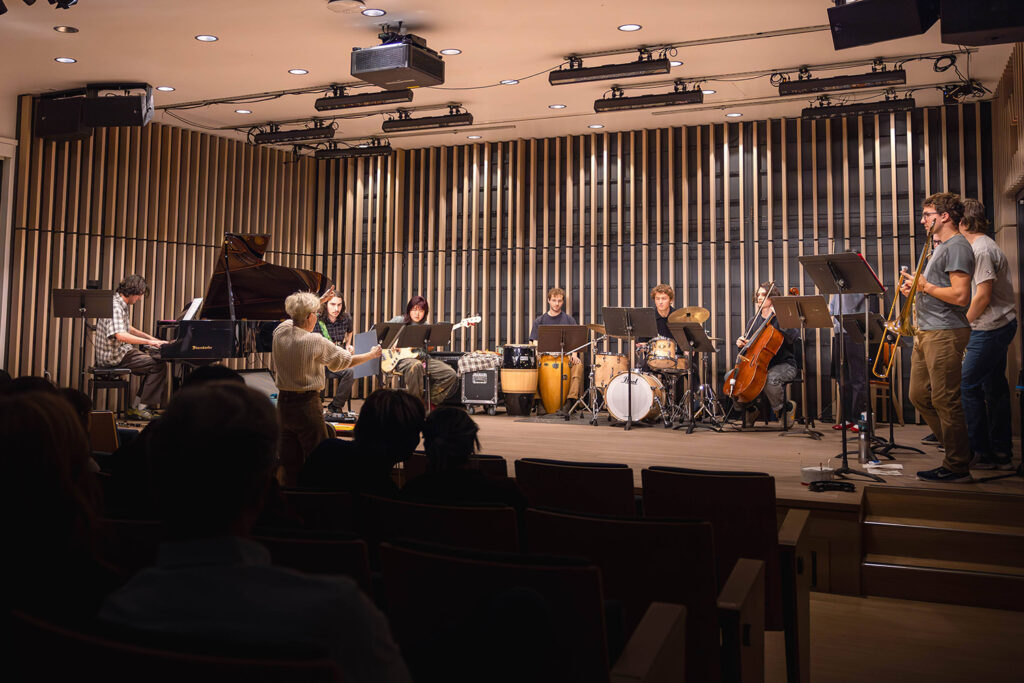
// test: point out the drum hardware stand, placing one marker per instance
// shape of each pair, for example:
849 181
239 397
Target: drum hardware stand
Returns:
846 273
592 389
803 312
700 401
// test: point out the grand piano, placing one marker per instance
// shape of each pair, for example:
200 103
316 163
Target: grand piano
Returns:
244 302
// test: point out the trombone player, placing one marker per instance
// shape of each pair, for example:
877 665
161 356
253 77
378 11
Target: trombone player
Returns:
943 293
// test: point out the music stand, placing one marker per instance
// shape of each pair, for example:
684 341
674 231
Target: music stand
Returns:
803 312
387 332
628 324
693 337
82 304
555 339
846 273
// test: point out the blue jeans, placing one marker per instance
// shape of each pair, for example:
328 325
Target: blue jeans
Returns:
984 392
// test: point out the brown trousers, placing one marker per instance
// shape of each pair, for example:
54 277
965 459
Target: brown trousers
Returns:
302 430
935 391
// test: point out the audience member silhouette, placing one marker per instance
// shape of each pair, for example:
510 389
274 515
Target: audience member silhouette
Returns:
214 455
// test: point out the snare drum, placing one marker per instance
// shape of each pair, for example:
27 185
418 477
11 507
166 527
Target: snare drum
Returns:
518 356
553 392
662 355
606 366
645 388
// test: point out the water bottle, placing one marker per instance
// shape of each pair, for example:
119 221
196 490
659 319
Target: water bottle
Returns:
864 454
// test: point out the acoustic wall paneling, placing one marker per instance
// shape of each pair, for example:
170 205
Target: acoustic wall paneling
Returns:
712 210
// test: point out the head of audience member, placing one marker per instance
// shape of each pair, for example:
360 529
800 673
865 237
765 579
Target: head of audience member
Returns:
80 403
417 310
450 438
212 373
974 220
5 379
27 384
133 288
389 426
942 208
334 308
214 455
302 308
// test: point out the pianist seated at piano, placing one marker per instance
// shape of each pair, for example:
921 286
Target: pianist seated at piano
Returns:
119 344
443 379
300 355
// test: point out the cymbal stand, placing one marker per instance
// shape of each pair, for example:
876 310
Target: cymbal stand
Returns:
701 404
592 400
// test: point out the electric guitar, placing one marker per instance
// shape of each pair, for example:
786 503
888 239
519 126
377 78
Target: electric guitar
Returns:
389 358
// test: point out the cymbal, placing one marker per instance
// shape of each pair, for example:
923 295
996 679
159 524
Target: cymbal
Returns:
689 314
596 327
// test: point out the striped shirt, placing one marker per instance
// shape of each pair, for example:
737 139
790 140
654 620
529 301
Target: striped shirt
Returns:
300 357
110 351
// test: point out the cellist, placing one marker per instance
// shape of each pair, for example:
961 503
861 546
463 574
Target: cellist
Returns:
783 366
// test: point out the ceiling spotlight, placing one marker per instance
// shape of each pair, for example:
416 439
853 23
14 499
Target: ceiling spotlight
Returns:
451 51
734 115
374 12
65 60
165 88
577 73
675 62
825 110
65 29
556 106
243 111
709 91
630 27
298 72
373 149
509 81
473 137
206 38
806 85
617 102
275 135
404 122
339 100
595 126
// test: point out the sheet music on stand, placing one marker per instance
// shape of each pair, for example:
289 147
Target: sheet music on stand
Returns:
363 342
803 312
552 339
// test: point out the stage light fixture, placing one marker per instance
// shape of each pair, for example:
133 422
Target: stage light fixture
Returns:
404 122
577 73
874 79
275 135
617 102
374 149
339 100
828 111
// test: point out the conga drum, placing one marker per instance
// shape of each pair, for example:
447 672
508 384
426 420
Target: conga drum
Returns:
519 378
554 381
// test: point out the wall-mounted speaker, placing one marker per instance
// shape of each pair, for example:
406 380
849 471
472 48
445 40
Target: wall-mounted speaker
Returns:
105 108
872 21
982 22
61 119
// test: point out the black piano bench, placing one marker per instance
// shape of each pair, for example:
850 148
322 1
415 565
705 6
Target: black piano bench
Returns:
116 379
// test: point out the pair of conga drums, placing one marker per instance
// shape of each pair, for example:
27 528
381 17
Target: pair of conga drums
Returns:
524 377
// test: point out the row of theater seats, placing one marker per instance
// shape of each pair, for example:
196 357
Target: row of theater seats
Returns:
703 548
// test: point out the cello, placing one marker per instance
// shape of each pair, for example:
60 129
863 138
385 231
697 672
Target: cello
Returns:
746 380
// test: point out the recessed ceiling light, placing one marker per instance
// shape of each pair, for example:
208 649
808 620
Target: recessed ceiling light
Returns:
298 72
473 137
362 146
243 111
556 106
709 91
206 39
374 12
65 29
451 51
65 60
675 62
734 114
596 125
630 27
165 88
509 81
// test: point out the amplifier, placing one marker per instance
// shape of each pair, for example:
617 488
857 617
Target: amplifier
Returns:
482 387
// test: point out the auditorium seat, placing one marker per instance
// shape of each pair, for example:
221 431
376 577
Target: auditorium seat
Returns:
324 510
589 487
319 552
489 465
42 651
643 561
469 616
741 508
128 545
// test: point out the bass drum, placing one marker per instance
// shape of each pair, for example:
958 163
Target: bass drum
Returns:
645 388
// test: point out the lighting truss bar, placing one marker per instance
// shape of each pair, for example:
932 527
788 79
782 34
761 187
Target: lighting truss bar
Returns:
858 109
368 99
667 99
779 33
854 82
353 152
584 74
296 135
446 121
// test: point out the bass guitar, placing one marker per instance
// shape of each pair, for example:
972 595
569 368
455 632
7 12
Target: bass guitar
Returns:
389 358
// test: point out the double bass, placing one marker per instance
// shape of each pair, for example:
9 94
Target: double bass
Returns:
745 382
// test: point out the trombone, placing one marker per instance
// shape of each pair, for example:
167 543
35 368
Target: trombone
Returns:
898 324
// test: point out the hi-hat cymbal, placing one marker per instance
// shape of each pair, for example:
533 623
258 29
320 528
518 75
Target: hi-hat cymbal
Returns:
689 314
596 327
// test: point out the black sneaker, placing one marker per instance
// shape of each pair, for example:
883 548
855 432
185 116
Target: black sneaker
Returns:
992 462
930 440
941 474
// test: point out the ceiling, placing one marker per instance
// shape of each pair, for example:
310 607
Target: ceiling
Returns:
260 40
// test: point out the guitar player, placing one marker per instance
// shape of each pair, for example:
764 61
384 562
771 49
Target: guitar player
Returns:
443 379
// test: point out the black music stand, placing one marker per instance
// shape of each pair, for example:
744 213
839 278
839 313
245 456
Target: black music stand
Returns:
628 324
555 339
846 273
82 304
387 333
692 336
803 312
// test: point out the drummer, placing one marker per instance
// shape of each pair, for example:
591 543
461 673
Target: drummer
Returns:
663 297
556 316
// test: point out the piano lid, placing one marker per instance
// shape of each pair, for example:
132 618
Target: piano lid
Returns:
260 288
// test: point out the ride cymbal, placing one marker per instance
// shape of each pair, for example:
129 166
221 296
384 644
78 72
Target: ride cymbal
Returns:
689 314
596 328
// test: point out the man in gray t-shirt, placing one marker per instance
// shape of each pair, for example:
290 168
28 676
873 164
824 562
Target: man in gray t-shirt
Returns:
943 294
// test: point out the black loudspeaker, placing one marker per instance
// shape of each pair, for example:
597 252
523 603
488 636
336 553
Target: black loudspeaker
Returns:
61 119
872 21
118 110
982 22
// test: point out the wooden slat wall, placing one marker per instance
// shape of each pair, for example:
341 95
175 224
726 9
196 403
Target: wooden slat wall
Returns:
155 200
711 210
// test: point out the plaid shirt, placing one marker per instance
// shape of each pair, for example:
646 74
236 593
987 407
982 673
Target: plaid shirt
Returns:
110 351
337 330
